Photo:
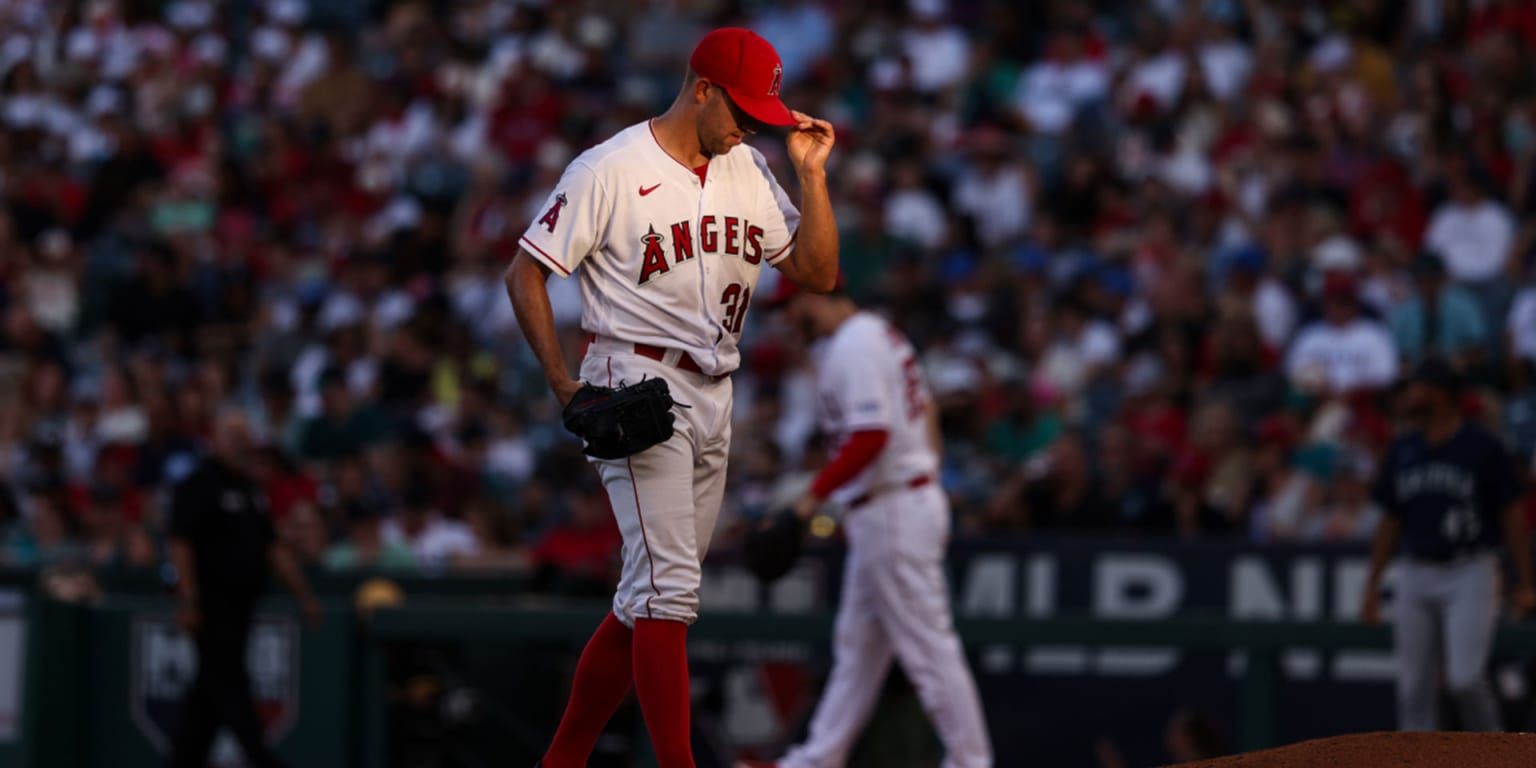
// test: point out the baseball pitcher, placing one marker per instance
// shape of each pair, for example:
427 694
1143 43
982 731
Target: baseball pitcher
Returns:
871 396
1450 492
667 226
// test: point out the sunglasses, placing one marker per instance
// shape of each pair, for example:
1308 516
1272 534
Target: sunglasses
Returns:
743 120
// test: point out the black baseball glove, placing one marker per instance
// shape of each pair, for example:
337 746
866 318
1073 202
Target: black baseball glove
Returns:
773 543
621 421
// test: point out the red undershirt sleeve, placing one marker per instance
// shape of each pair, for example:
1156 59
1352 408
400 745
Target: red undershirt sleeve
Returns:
855 455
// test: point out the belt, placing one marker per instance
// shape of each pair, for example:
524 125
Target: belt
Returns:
1449 558
916 482
685 361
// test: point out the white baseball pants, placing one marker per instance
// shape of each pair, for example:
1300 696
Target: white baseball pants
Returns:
895 605
667 498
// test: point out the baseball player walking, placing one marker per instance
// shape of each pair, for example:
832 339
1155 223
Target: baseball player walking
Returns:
895 602
1450 492
668 224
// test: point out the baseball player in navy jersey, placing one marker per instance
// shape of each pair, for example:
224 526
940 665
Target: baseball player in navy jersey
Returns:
667 226
871 397
1450 493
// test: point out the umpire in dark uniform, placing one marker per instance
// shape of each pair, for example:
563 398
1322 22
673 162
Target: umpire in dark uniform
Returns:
223 546
1450 492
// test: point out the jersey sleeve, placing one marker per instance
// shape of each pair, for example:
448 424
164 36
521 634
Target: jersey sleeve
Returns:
1500 480
1384 491
571 223
779 218
860 390
185 505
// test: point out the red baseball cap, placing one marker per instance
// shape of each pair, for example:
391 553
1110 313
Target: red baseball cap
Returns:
747 67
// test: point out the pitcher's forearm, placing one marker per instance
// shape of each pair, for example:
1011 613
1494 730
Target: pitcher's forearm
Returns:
1383 546
186 572
525 281
816 244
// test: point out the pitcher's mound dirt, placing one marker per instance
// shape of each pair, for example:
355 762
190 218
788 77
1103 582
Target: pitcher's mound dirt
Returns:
1393 750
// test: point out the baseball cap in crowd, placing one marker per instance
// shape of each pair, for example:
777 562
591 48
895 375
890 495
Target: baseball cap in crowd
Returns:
1249 259
1439 374
749 70
1339 285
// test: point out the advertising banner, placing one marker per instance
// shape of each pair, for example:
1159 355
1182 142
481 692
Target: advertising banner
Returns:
1059 705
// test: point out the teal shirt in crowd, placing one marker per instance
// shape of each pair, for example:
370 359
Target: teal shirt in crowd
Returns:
393 555
1460 326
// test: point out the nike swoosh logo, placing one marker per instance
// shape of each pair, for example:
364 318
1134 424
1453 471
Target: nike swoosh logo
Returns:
647 190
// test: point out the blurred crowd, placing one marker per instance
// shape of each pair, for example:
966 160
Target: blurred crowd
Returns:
1165 261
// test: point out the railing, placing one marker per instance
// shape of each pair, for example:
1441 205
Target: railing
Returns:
1262 641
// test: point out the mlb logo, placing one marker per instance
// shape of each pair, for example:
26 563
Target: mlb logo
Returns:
163 662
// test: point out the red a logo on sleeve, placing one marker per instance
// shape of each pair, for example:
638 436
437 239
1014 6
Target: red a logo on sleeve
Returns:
553 214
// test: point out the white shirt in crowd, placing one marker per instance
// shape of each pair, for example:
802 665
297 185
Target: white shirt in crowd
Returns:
1522 324
438 542
916 215
1160 77
1050 92
1359 355
999 203
1226 65
939 56
1275 312
1475 240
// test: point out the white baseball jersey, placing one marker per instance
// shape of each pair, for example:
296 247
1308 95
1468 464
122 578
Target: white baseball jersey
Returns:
668 259
895 601
868 378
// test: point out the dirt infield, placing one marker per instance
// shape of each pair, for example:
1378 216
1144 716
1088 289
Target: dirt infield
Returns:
1393 750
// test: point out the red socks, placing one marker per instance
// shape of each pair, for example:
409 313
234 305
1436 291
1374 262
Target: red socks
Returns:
602 679
661 682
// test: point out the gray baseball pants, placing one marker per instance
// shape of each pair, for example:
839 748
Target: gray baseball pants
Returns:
1444 614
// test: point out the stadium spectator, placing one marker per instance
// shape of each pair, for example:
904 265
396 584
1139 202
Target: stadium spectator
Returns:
498 542
343 426
1344 353
1439 319
366 546
434 539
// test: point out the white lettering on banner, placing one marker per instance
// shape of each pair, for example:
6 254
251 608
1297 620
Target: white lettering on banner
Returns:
1136 662
996 659
1306 588
1254 594
795 593
989 586
1297 665
1056 660
989 592
1136 587
1121 586
729 589
163 660
1041 586
1364 666
169 661
13 651
750 717
1349 587
1348 590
